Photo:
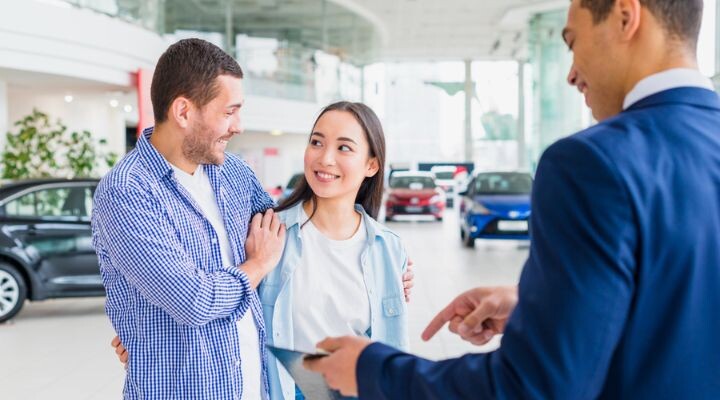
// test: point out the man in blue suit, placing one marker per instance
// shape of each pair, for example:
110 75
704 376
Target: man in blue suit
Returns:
620 296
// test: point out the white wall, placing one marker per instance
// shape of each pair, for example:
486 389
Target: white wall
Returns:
271 170
4 121
89 110
266 114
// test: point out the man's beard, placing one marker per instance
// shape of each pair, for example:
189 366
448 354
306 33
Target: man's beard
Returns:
198 146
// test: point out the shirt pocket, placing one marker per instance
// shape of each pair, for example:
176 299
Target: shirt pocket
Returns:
393 306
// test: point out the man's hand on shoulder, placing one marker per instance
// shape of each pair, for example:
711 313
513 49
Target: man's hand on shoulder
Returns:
264 246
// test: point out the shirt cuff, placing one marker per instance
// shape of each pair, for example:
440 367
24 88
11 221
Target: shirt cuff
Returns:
369 370
245 288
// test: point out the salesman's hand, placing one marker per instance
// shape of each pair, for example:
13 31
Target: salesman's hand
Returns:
120 350
476 315
408 280
338 368
264 246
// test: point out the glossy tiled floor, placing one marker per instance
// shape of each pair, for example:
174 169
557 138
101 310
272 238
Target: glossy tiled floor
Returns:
59 349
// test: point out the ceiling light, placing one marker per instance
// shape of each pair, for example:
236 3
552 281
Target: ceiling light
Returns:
276 132
68 98
114 103
128 108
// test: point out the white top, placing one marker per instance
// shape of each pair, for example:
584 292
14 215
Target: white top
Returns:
329 294
199 187
670 79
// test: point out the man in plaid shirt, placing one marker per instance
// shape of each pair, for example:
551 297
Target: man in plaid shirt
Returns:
179 254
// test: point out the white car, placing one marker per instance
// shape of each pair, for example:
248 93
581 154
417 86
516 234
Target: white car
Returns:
445 179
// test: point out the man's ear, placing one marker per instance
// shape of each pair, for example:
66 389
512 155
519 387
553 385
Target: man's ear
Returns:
179 111
630 15
372 167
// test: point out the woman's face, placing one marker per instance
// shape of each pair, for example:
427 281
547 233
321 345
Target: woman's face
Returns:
337 158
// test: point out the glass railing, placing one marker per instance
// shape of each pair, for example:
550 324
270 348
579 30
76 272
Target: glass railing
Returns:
148 14
274 67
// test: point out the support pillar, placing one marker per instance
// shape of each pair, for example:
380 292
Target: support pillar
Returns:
468 111
522 161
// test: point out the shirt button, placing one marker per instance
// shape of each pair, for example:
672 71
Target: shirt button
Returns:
391 311
237 363
277 334
214 241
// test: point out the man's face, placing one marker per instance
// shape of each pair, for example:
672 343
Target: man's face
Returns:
598 65
215 124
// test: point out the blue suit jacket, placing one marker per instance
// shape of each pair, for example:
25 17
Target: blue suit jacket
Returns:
620 296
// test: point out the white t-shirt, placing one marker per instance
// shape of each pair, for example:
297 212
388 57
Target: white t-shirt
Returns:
199 187
329 293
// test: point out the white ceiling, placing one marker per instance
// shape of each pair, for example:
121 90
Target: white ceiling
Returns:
364 31
452 29
49 83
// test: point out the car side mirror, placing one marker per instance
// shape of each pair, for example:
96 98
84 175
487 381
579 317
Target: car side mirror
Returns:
463 193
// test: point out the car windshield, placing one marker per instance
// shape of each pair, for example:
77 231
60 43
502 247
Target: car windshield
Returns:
503 183
412 182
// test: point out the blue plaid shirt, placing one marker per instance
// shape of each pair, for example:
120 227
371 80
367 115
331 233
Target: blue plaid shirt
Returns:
169 298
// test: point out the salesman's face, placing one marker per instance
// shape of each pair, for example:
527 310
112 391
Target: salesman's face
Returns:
215 124
597 68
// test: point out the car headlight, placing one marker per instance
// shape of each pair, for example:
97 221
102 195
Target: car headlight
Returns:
392 199
436 199
478 208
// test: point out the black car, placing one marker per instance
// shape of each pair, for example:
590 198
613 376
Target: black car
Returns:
45 242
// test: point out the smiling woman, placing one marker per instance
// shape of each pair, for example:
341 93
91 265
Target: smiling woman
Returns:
337 257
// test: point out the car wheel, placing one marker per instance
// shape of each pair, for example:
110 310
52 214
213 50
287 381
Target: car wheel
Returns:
467 240
13 292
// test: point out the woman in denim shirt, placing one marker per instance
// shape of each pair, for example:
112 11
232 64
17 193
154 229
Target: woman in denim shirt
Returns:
341 271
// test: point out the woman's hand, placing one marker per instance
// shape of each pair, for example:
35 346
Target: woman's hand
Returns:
120 350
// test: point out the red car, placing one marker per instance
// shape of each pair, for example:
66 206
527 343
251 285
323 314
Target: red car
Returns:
414 193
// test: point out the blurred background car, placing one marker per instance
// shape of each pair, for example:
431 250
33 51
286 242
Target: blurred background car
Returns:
445 179
496 205
45 242
294 180
414 193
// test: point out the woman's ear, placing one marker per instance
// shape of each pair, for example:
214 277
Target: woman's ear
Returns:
372 167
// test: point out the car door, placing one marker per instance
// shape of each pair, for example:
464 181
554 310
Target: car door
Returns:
52 222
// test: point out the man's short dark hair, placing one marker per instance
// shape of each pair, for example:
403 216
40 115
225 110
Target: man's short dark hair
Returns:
189 68
680 18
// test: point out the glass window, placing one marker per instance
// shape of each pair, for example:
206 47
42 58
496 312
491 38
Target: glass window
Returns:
21 207
53 202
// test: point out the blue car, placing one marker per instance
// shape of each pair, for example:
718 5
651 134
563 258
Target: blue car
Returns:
496 205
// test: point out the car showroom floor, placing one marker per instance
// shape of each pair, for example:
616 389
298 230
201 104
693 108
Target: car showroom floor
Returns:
59 349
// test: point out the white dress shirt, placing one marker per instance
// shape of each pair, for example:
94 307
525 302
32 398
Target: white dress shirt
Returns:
670 79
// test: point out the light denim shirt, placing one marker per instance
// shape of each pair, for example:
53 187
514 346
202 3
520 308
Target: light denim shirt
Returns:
383 262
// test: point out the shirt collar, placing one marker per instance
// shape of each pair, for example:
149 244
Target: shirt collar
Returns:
665 80
296 216
157 164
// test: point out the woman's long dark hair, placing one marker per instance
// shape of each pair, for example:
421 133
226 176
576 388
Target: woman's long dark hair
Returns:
370 194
